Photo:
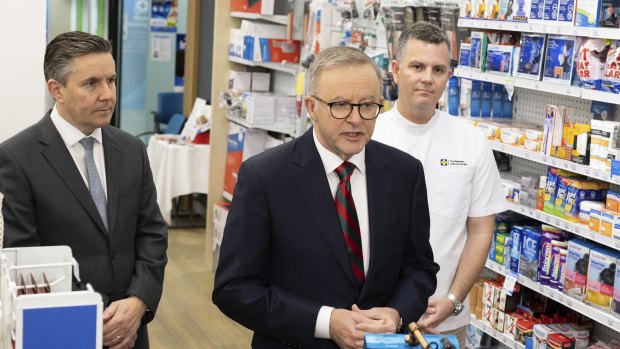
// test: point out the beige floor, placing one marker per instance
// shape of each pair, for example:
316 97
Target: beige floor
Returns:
186 317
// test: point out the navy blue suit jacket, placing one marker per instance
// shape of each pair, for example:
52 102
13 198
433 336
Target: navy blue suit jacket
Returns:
283 255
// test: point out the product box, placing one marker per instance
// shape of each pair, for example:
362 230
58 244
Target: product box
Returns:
475 98
537 11
588 13
486 314
528 264
491 10
265 7
240 80
260 108
558 267
497 100
465 56
550 13
566 12
611 79
510 323
263 42
531 56
478 7
601 275
488 292
507 105
479 42
514 10
577 263
486 99
242 143
453 95
285 107
560 341
466 9
501 318
499 59
610 10
615 302
559 59
235 46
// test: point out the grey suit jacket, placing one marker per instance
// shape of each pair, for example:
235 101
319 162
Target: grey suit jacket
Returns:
46 202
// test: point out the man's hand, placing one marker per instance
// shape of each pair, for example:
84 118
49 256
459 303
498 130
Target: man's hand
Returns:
343 330
386 320
121 321
439 309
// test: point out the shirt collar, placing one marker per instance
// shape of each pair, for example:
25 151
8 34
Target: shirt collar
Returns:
69 133
331 161
408 123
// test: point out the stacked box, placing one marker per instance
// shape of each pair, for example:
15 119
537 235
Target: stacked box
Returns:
528 263
577 263
601 275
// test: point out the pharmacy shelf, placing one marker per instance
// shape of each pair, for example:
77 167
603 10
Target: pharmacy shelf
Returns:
279 19
280 128
502 337
544 86
283 67
552 161
575 228
603 33
597 315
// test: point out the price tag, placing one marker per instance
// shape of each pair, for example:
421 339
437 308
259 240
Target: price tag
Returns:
587 171
521 279
617 245
557 222
547 219
560 299
509 283
611 323
526 154
569 302
591 235
502 338
502 147
594 33
573 167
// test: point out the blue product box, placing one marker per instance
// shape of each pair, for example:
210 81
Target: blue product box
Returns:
587 13
559 59
551 10
397 341
476 98
566 13
516 238
478 50
531 56
453 96
499 58
485 101
498 97
530 250
537 10
465 55
506 106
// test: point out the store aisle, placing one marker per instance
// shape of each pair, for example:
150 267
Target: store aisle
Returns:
186 317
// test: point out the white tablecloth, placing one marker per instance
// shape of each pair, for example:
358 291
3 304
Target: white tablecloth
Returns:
178 170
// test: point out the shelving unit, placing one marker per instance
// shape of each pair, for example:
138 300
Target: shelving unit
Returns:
594 314
544 86
280 128
279 19
603 33
572 96
283 67
575 228
552 161
502 337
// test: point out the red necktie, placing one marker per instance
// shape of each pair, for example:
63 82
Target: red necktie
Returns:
348 220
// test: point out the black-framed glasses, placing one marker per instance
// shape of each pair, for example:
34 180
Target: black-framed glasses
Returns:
342 110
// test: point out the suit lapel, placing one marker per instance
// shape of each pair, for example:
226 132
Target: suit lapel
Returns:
309 174
379 188
113 175
59 158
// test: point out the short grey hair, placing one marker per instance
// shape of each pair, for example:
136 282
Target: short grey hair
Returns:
60 52
423 31
337 56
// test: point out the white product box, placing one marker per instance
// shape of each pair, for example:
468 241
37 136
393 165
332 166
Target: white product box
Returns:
260 108
235 46
261 81
240 80
285 109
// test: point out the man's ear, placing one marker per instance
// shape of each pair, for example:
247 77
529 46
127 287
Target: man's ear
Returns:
395 69
55 89
310 107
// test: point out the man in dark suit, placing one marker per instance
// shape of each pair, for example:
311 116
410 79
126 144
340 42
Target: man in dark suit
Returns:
71 179
317 251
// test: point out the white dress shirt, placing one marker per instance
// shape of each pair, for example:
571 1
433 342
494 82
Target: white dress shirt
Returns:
72 136
359 191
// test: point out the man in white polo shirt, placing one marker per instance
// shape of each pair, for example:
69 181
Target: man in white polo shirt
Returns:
463 183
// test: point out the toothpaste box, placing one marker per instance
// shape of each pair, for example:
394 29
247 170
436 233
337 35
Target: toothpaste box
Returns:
577 262
528 263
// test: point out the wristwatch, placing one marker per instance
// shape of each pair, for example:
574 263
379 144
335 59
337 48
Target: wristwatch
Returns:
458 306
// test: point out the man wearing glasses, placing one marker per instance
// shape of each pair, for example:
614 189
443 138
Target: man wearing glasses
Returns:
327 236
464 186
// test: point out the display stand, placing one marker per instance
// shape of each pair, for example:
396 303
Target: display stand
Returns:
39 308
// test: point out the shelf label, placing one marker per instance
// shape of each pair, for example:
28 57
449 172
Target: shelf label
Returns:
509 283
587 171
591 235
557 222
569 302
594 32
611 323
617 245
547 219
541 289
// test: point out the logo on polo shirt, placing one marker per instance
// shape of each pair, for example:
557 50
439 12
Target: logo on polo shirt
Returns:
449 162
